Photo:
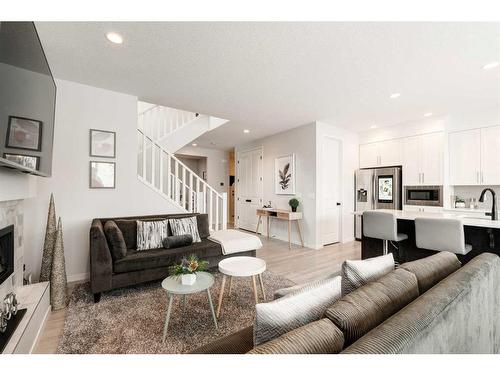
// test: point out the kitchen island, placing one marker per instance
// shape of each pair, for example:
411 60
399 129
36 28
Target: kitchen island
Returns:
480 232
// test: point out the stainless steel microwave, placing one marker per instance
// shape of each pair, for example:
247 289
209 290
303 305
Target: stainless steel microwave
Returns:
423 195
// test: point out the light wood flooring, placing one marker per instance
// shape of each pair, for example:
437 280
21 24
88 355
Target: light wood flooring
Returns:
299 265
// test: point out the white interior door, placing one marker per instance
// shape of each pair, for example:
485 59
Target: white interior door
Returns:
330 190
249 188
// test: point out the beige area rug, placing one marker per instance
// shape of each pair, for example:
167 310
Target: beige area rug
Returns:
130 320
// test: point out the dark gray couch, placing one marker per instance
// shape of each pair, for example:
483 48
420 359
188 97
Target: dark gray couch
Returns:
146 265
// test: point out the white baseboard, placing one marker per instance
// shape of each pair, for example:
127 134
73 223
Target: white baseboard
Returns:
78 277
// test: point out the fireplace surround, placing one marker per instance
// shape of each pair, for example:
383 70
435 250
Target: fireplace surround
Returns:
6 252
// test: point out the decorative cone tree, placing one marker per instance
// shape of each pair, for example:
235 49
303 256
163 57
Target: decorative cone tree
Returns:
58 282
48 245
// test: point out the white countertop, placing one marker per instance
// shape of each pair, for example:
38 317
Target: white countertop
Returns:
469 221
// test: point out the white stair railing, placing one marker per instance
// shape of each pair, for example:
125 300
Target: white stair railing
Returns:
157 122
169 177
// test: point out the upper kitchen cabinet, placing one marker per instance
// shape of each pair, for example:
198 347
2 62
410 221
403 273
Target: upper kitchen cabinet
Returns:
465 157
423 160
380 154
490 156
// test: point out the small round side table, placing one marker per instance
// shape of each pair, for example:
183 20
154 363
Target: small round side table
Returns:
173 286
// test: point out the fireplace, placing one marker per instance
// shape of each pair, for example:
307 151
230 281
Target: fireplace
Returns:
6 252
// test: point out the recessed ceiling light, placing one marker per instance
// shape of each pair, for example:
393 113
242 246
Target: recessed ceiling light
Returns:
491 65
194 144
395 95
428 114
373 127
114 38
246 131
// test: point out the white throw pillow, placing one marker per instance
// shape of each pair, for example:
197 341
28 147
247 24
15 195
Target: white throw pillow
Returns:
356 273
186 225
295 310
150 234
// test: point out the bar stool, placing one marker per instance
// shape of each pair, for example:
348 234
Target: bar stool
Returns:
441 235
383 226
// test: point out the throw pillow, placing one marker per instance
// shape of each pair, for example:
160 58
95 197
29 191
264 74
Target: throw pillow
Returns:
115 239
172 242
356 273
150 234
187 225
283 292
297 309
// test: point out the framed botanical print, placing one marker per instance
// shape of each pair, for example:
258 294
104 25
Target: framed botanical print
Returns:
102 143
24 133
284 175
28 161
102 175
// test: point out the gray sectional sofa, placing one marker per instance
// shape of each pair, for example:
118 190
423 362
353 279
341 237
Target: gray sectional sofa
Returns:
107 272
432 305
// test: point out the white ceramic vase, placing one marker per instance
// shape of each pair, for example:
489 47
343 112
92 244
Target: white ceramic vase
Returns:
188 279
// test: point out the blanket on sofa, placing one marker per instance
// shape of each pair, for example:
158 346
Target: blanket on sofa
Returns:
233 241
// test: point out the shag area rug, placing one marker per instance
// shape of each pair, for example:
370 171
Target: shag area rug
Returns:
131 320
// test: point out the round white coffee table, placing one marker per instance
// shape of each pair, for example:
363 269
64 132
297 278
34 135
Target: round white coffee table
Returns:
173 286
241 267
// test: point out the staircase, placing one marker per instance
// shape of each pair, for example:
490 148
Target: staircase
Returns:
160 170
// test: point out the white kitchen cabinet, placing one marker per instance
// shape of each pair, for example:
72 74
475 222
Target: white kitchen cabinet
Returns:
390 153
465 157
432 158
380 154
411 161
490 156
423 160
422 208
368 155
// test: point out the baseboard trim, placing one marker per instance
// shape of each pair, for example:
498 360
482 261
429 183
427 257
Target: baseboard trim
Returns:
78 277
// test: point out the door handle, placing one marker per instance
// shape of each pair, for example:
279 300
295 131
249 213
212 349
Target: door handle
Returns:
477 176
423 177
248 200
338 203
482 176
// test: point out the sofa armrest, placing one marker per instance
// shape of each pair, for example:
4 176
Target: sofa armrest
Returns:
236 343
101 263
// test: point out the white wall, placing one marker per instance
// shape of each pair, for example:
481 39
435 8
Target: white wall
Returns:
217 165
79 108
349 164
302 142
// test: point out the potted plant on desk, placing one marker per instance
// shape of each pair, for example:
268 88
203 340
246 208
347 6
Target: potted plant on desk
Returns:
187 269
294 203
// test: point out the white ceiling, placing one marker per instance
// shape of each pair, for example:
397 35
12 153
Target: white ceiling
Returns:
269 77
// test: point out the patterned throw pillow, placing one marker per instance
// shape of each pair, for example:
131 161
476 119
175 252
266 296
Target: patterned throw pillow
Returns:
187 225
150 234
356 273
296 309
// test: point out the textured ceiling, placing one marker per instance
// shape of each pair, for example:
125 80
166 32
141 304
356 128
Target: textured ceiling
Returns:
269 77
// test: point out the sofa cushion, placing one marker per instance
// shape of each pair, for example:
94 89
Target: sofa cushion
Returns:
129 230
115 240
319 337
295 310
368 306
146 259
431 270
203 229
150 234
356 273
172 242
187 225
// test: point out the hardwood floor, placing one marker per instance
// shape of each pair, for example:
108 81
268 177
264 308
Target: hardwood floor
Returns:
299 265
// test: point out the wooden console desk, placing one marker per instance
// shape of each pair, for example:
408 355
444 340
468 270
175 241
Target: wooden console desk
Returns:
280 215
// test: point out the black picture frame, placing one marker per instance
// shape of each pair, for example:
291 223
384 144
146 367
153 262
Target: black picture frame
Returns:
9 130
37 159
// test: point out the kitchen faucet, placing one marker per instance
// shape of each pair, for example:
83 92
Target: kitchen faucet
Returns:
494 211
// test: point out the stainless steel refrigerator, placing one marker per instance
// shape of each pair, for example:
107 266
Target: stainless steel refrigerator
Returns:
375 189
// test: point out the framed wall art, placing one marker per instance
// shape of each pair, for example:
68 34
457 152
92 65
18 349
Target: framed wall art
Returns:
102 143
28 161
24 133
284 175
102 175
